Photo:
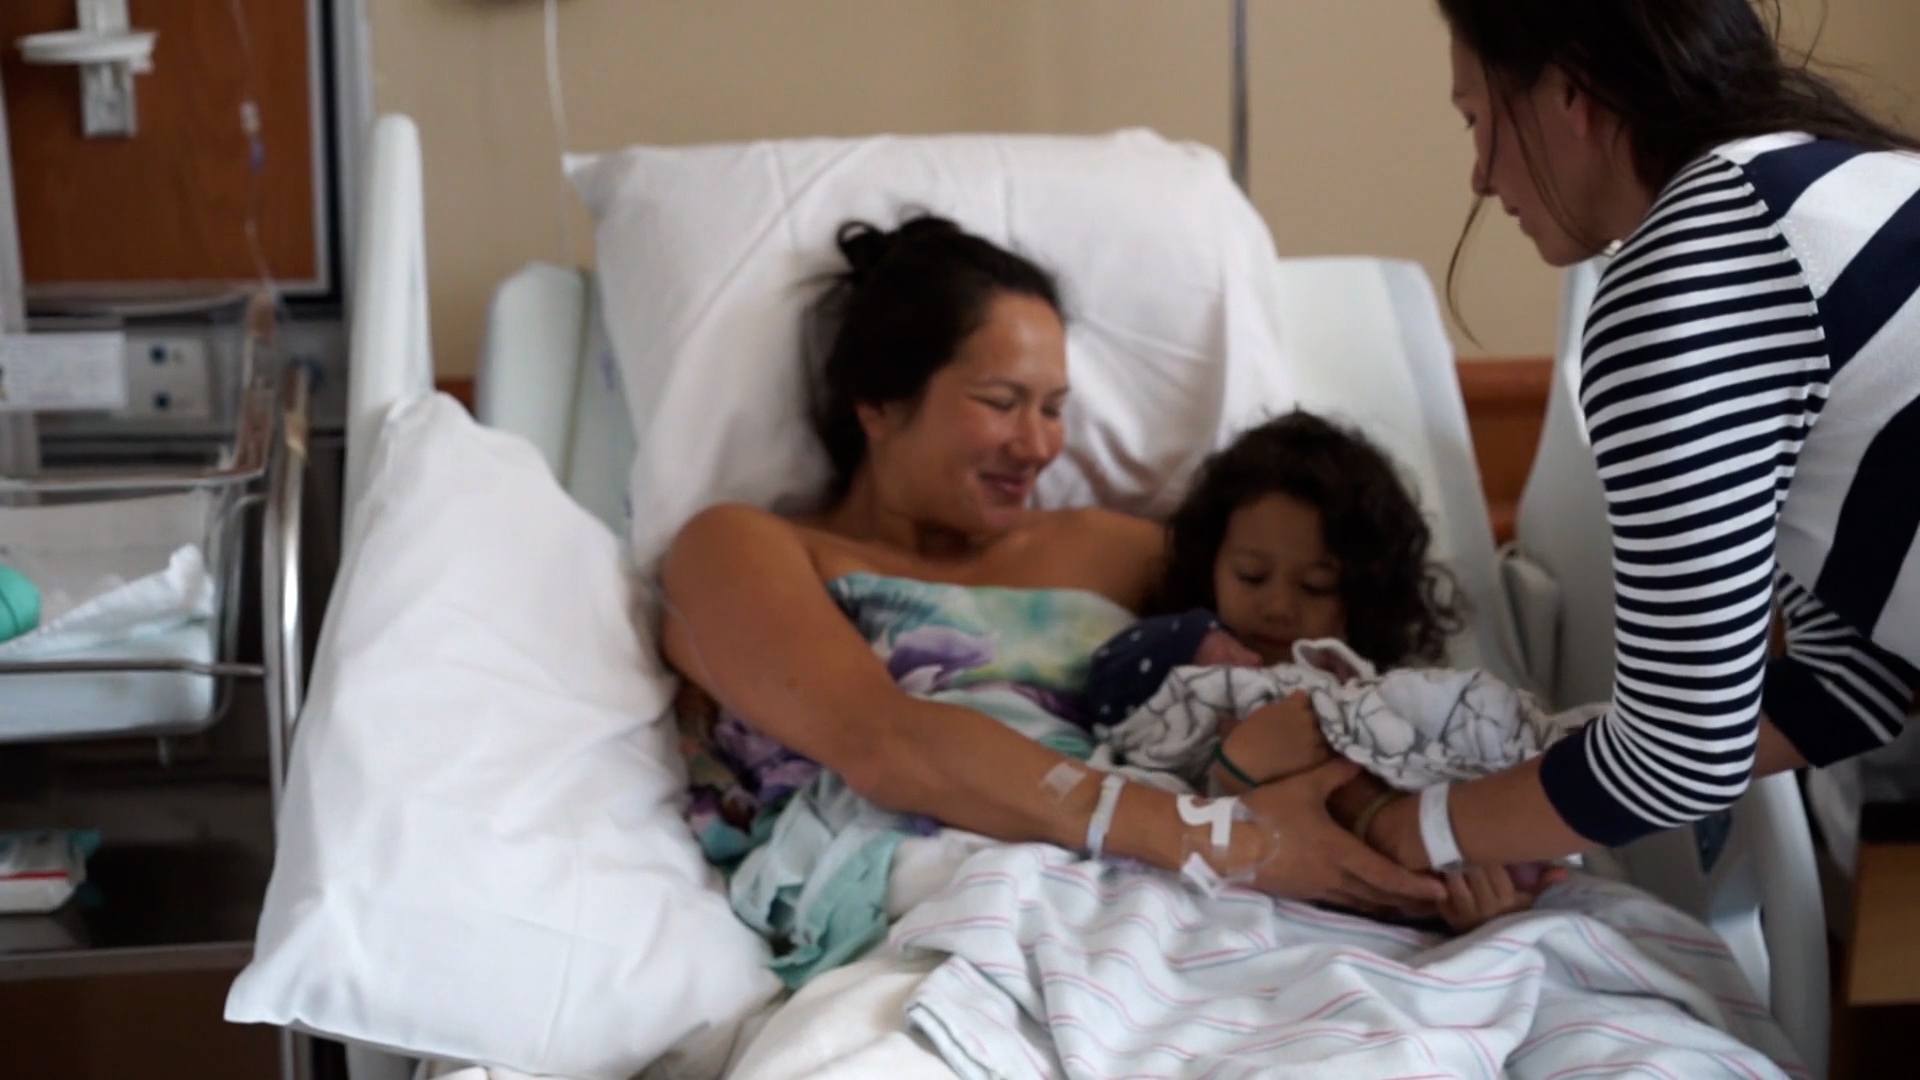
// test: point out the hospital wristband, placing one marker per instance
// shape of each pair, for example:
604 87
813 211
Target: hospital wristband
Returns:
1103 811
1436 829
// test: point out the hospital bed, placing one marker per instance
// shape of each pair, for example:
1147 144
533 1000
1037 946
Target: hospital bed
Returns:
1542 607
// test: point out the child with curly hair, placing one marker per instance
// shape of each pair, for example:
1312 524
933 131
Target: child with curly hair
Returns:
1298 570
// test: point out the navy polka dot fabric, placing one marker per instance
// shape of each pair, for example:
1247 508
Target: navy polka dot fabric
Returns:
1133 663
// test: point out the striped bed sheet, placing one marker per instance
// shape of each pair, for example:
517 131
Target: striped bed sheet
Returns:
1051 966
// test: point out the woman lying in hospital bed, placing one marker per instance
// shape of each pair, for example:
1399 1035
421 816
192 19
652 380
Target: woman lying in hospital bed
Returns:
919 645
944 389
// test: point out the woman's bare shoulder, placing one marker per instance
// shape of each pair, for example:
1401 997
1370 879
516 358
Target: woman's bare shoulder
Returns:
1118 555
731 515
1096 525
733 524
735 535
743 534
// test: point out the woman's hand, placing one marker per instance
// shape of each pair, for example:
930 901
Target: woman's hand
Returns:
1293 848
1275 740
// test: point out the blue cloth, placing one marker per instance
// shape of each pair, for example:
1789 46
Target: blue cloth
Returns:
19 604
1133 663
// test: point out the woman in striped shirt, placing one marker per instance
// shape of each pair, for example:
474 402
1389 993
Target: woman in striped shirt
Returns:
1751 383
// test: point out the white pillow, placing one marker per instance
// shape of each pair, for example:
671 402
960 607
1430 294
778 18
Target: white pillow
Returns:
708 255
480 851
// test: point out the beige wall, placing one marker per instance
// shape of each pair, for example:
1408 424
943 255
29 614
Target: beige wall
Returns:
1355 148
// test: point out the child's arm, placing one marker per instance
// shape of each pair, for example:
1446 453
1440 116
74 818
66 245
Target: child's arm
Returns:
1274 740
1477 895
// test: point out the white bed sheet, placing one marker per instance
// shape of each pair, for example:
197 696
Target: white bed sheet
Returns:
1060 967
1598 975
848 1024
1600 972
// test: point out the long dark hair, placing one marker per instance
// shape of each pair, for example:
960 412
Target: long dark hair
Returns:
1684 76
1400 606
898 314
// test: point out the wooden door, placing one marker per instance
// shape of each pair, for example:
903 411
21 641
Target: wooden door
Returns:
166 210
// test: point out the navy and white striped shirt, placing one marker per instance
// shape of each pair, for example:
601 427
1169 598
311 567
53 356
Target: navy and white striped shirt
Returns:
1751 383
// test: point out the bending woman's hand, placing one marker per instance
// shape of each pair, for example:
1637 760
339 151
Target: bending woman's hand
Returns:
1293 848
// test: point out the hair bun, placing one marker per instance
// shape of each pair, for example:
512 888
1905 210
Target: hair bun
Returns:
863 245
866 246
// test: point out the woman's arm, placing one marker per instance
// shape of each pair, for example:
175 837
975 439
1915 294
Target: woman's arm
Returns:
1703 367
1507 818
748 619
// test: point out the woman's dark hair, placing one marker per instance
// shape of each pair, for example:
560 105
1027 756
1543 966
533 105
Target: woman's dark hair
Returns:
1684 76
1400 607
897 315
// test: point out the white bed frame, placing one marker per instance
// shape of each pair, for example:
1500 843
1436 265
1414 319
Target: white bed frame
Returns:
1762 895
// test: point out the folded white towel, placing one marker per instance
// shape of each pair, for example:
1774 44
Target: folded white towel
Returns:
109 570
119 610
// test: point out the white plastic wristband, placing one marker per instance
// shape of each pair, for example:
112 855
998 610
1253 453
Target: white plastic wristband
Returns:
1436 829
1102 818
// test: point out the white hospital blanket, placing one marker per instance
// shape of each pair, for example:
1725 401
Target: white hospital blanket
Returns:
1384 995
845 1024
1058 967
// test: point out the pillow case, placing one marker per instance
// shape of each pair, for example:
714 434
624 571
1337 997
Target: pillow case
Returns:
480 854
707 257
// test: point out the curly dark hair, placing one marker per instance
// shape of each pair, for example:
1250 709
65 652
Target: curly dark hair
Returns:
1400 606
